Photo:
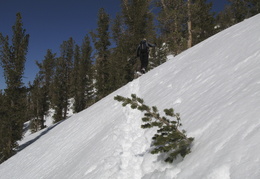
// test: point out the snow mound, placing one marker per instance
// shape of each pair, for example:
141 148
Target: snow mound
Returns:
215 86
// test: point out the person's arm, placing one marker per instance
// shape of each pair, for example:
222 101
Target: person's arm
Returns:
151 45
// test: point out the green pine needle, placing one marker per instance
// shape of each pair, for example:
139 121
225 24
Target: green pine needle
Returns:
168 138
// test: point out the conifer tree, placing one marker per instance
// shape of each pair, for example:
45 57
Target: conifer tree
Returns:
117 58
13 58
40 91
101 43
39 104
46 72
59 88
62 87
224 19
117 29
172 18
76 81
202 21
87 70
239 10
83 76
138 20
5 132
185 23
254 7
235 12
168 139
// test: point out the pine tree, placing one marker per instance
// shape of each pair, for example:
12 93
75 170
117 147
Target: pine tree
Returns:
185 23
224 19
189 24
77 92
83 76
13 58
62 87
235 12
5 132
202 20
168 139
254 7
138 20
117 58
59 88
117 29
40 91
101 43
46 72
87 70
38 106
239 10
172 19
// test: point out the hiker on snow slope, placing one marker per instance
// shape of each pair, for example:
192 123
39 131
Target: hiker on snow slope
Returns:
143 53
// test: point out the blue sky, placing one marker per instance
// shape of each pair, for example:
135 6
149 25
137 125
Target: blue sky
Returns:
50 22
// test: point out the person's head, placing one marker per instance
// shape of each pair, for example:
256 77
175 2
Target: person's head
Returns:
143 40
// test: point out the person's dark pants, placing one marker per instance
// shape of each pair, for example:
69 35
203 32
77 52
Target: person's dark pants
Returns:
144 61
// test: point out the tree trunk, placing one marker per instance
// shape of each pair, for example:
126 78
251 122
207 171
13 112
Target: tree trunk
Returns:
189 45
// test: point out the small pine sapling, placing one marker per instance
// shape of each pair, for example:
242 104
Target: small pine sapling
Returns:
168 139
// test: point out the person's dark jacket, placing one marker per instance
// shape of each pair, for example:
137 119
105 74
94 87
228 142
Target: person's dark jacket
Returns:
148 44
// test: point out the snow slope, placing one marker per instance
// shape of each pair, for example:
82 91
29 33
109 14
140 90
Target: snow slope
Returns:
215 86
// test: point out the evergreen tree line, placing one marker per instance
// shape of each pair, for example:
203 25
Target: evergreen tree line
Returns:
86 73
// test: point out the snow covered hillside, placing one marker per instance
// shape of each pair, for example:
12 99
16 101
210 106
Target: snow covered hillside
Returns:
215 86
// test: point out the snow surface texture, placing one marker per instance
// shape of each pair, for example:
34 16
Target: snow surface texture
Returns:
215 86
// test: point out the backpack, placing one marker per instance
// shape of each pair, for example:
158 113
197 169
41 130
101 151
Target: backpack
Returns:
143 47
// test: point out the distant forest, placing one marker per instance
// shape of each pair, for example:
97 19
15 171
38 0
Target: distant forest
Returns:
80 76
